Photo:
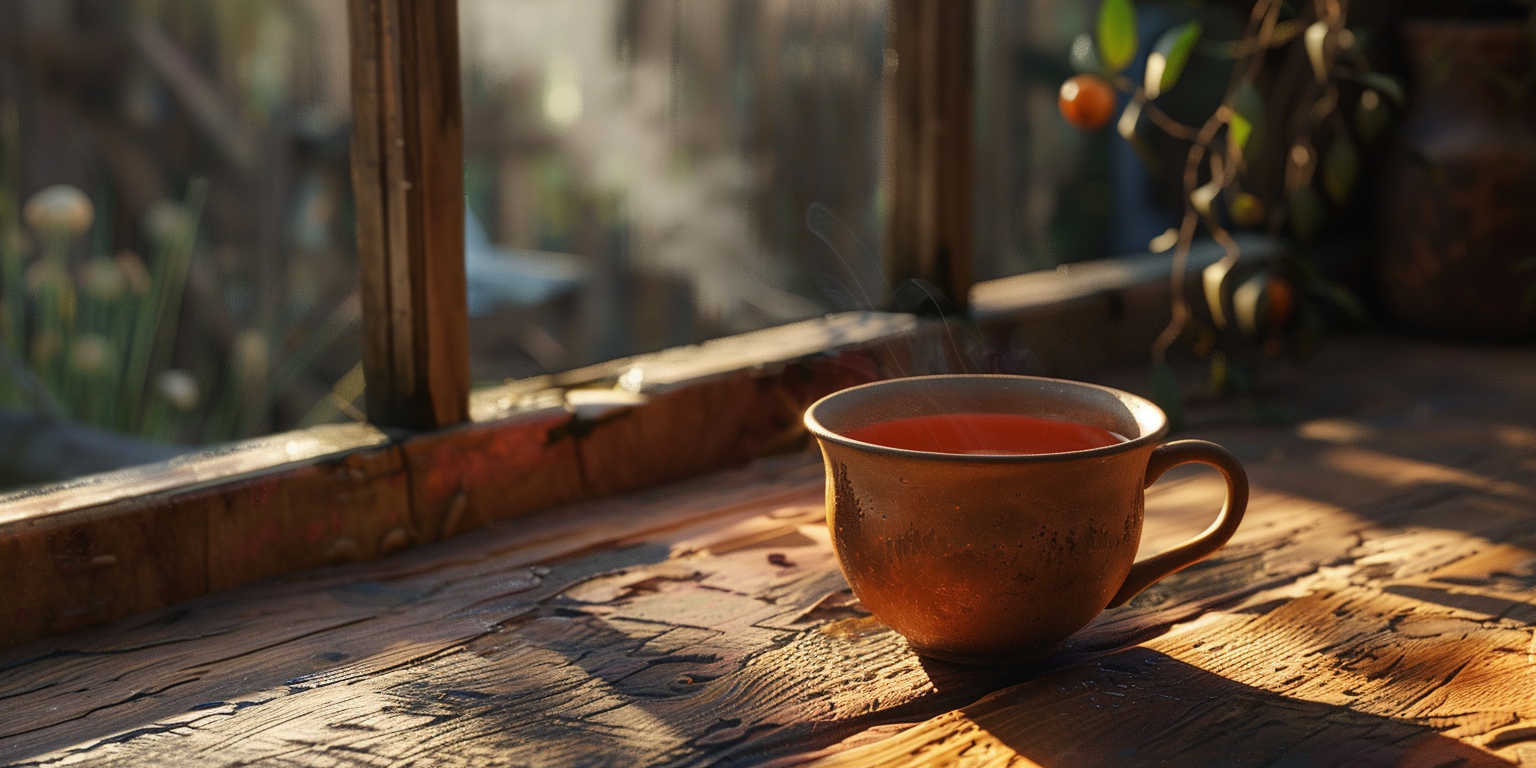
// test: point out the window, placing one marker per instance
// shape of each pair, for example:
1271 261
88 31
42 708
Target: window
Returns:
1049 193
176 228
812 228
642 175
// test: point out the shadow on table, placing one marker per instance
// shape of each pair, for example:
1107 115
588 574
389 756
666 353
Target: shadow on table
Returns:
1141 707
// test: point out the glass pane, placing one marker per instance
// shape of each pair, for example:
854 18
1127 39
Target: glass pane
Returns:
1049 193
647 174
177 258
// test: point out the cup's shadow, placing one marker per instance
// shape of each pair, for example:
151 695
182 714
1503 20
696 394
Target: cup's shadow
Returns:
1142 707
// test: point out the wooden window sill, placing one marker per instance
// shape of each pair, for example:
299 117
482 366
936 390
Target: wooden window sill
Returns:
106 546
111 545
1383 577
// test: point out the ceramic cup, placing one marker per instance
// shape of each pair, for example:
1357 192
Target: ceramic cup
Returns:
988 559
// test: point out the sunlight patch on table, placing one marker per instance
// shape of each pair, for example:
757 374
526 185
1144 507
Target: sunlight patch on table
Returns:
1397 470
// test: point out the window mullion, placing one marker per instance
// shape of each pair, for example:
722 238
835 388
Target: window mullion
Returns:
408 181
930 234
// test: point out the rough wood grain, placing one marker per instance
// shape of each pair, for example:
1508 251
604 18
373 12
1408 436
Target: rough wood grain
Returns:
1410 639
104 547
1344 667
76 568
1375 609
469 476
188 472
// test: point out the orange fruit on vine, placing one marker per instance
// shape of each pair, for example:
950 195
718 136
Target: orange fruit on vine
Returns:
1087 101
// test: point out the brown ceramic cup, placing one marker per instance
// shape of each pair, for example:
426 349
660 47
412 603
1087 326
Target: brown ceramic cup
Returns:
988 559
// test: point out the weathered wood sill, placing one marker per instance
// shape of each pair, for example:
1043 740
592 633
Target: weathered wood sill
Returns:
106 546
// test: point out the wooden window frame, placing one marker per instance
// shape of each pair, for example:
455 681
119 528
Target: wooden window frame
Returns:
408 183
435 461
929 235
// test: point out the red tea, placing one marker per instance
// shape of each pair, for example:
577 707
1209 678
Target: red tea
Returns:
986 433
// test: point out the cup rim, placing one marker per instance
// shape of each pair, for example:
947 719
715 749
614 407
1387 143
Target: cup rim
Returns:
1153 436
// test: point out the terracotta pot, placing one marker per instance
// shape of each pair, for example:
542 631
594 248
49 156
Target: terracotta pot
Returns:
1458 221
997 558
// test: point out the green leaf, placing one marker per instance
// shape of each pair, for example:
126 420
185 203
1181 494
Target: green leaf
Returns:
1167 395
1117 34
1249 303
1248 107
1306 213
1388 85
1340 168
1212 279
1240 129
1169 56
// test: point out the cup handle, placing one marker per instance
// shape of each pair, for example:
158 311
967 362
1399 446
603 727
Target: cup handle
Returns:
1145 573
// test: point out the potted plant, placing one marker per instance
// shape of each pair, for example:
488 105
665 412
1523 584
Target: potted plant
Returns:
1275 146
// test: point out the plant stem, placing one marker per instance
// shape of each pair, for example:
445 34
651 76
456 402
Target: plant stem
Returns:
1261 24
159 315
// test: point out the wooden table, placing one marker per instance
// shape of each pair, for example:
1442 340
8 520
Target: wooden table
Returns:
1377 608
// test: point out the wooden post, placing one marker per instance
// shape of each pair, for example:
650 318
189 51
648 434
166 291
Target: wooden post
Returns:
407 177
930 227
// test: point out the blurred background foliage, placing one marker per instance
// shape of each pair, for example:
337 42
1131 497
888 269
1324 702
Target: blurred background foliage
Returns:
175 217
178 241
1257 121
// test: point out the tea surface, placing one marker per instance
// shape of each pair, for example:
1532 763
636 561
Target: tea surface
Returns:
986 433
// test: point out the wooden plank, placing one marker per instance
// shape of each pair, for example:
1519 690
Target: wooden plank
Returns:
83 567
1344 667
356 507
931 167
189 472
717 423
1011 296
408 179
332 494
1375 605
66 573
469 476
374 126
735 591
246 640
1404 639
767 350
